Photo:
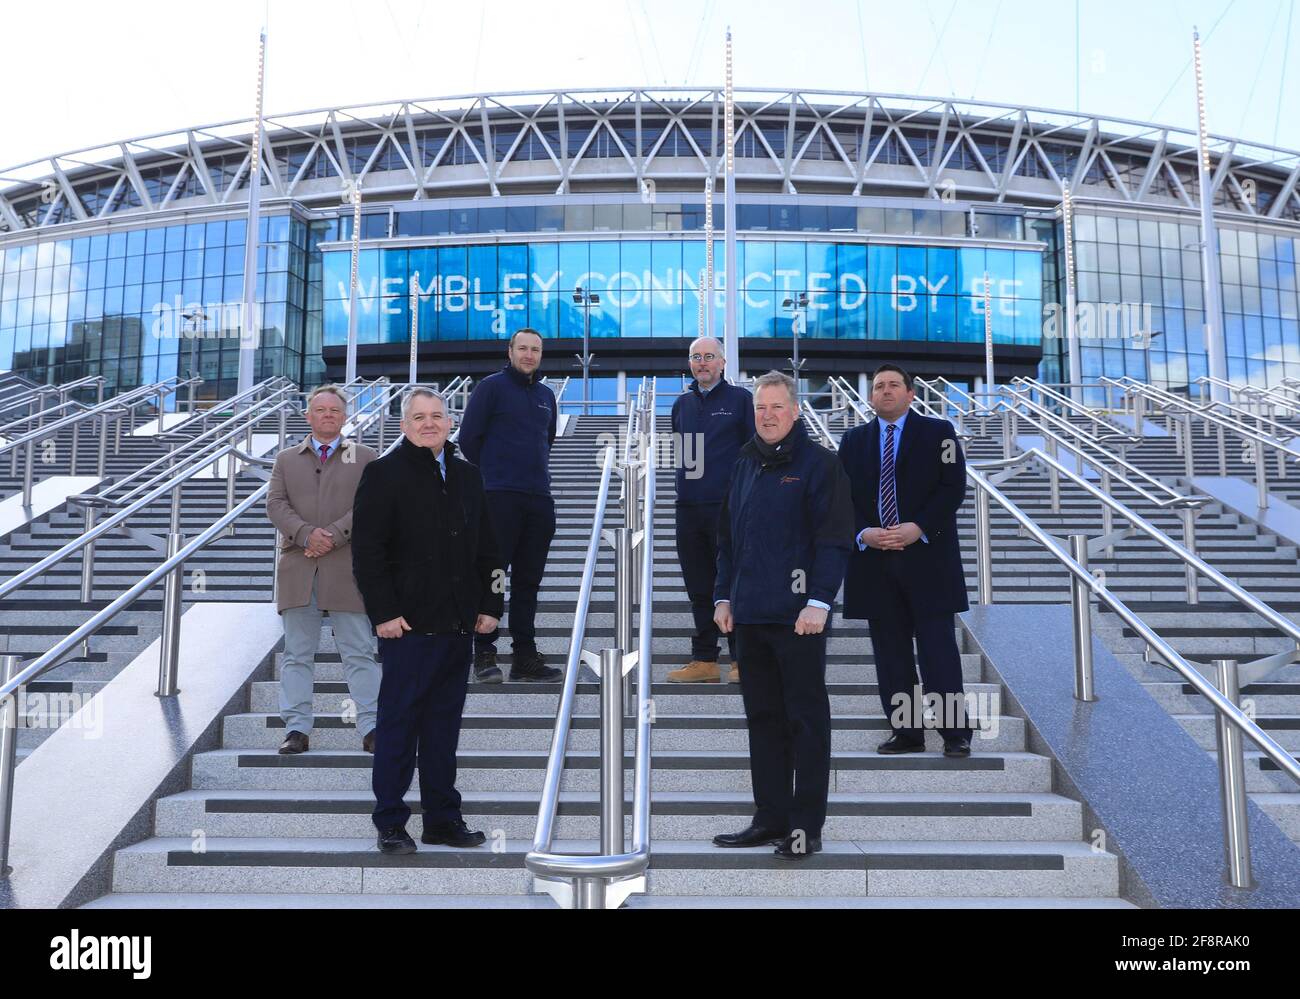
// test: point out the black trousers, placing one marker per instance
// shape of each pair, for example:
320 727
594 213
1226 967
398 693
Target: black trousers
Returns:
524 525
697 553
421 700
895 620
783 684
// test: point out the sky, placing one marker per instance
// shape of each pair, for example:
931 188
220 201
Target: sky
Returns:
158 66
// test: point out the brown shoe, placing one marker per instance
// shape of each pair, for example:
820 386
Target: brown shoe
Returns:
734 675
368 741
294 742
696 671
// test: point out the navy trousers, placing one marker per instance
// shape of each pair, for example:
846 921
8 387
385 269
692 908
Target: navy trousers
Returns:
697 553
788 712
421 700
524 525
895 620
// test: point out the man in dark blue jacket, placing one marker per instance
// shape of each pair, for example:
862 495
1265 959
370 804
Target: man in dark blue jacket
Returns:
508 430
712 421
783 543
905 575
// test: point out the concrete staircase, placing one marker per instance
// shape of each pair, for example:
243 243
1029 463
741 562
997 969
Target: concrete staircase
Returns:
42 612
258 829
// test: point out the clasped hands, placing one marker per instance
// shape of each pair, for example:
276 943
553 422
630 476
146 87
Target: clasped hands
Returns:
888 539
319 542
398 625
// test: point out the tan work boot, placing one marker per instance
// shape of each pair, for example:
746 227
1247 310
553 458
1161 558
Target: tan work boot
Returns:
696 671
734 675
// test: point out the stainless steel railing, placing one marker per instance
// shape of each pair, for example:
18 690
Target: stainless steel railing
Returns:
34 399
1258 444
606 879
119 408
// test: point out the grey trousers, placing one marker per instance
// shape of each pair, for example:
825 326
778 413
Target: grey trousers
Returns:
355 639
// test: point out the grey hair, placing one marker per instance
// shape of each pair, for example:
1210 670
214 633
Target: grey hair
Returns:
420 392
778 378
333 390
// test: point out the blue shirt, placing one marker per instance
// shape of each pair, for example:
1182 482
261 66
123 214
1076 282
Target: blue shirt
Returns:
317 445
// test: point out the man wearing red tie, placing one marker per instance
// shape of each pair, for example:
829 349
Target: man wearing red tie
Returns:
905 574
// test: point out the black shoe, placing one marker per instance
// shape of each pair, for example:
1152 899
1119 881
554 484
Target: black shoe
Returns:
294 742
395 841
486 669
796 846
451 834
751 836
957 749
530 667
896 744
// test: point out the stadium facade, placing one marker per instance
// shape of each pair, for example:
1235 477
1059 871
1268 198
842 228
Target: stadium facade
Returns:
885 211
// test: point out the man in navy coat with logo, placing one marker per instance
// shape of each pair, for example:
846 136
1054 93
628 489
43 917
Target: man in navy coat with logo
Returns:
905 574
783 541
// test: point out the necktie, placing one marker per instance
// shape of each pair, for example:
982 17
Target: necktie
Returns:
324 452
888 500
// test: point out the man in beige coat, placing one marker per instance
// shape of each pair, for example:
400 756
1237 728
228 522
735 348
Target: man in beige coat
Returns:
310 503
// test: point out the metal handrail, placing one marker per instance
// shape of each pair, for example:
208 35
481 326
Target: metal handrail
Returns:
41 415
1073 407
130 400
975 470
261 389
207 456
1172 499
820 430
1281 622
590 878
1210 411
33 395
1259 394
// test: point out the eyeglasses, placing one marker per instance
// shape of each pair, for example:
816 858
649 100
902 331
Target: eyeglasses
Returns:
697 358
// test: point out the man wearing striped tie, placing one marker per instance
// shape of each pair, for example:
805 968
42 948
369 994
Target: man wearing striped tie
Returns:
909 479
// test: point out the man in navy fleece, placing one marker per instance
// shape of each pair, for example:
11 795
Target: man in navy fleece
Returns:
713 420
507 432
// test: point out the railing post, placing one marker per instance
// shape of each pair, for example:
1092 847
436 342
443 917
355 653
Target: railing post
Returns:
88 560
1107 514
8 758
1223 452
170 644
1053 477
984 545
117 431
231 466
1008 431
76 437
1261 473
283 428
1232 781
1189 450
1188 515
103 445
1080 605
27 472
611 752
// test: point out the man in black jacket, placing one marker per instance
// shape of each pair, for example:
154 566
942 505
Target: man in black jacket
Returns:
783 543
712 421
508 430
426 563
905 576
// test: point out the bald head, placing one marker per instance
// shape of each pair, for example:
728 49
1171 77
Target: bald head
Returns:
707 361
